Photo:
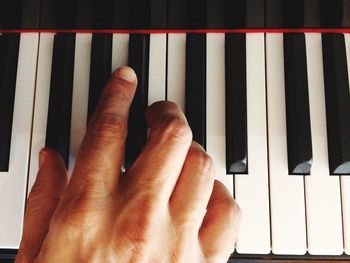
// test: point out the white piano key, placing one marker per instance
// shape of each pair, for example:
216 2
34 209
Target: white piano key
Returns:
287 202
322 191
157 68
41 105
120 50
252 189
345 180
176 69
216 107
80 94
13 183
215 110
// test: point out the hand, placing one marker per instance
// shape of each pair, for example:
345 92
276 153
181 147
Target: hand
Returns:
166 208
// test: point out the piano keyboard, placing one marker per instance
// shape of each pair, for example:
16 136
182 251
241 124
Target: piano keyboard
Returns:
273 111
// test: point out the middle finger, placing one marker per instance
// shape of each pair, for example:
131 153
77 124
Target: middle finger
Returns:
160 163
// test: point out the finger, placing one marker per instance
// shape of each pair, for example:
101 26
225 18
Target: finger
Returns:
100 156
42 202
190 198
160 163
220 225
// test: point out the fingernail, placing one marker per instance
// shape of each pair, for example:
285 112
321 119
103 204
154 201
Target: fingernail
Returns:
126 74
42 157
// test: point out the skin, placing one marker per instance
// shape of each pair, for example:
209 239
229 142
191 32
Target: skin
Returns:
167 207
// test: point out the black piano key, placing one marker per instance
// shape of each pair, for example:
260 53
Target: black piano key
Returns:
195 102
299 143
100 69
137 127
9 49
236 104
60 101
177 14
337 102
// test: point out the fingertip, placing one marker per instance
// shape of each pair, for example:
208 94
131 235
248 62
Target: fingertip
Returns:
220 226
42 157
222 200
47 155
220 191
51 168
125 73
163 108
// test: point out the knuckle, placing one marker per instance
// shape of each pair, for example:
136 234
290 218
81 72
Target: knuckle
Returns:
109 125
229 213
42 195
143 196
139 226
173 128
198 155
82 210
36 189
118 89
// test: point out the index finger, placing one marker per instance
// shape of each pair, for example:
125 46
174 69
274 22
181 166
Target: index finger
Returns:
100 156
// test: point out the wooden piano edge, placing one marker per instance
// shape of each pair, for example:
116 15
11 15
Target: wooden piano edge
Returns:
8 256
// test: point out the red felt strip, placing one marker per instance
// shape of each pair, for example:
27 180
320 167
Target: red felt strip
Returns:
162 31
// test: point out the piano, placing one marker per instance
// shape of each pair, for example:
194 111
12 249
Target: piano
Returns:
264 85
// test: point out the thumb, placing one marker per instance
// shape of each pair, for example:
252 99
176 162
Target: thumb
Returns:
42 202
